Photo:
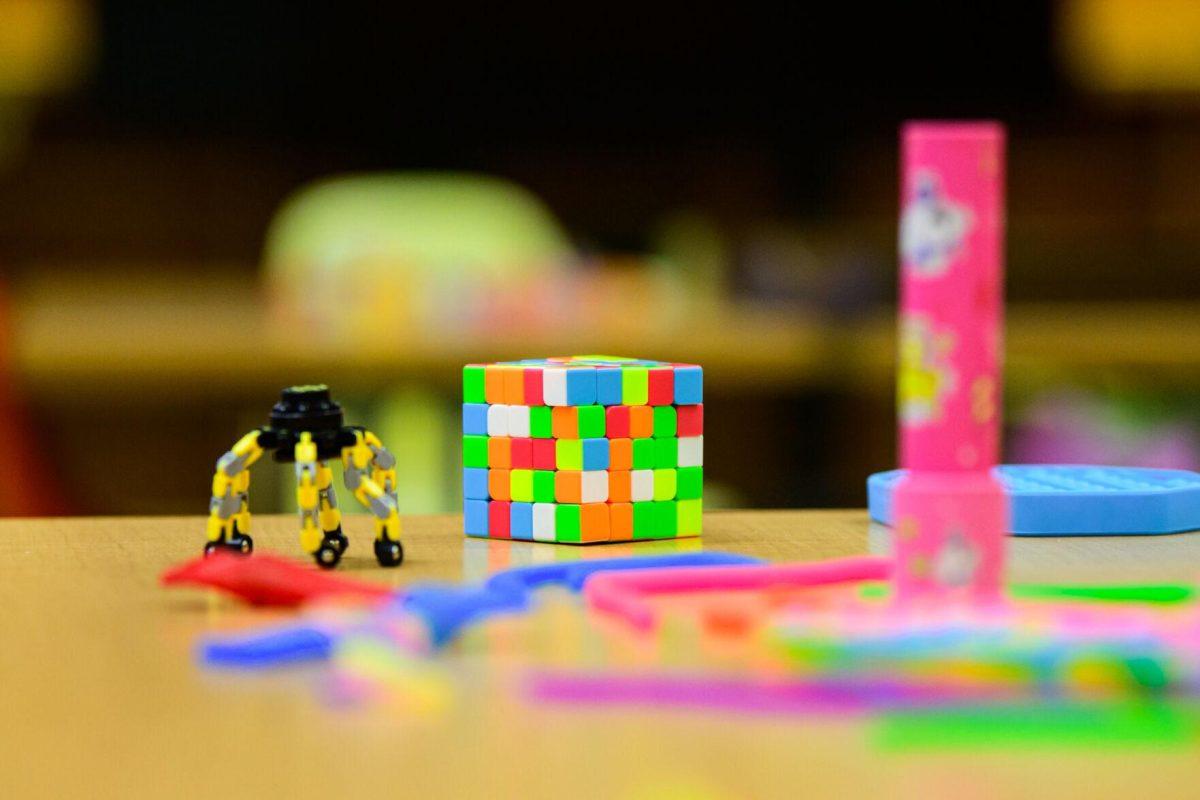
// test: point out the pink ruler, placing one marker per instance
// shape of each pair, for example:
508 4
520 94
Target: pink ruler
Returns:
628 594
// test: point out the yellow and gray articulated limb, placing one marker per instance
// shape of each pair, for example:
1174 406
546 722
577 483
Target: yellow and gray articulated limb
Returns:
306 428
229 508
320 520
376 490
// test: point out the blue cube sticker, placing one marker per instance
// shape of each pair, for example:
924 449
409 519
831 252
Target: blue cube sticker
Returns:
689 386
475 484
581 387
608 386
521 520
475 517
595 454
475 419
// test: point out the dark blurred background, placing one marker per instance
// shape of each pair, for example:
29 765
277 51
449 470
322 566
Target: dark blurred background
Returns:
723 188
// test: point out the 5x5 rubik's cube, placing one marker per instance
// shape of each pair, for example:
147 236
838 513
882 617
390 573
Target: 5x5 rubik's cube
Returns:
583 449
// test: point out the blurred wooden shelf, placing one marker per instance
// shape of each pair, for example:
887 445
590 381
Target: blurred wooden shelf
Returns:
1152 338
213 336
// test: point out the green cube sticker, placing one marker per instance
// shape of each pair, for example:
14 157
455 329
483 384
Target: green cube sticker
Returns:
475 451
664 484
689 483
666 453
568 453
666 519
520 485
543 486
635 386
591 422
540 426
473 385
643 520
664 421
643 454
688 521
566 523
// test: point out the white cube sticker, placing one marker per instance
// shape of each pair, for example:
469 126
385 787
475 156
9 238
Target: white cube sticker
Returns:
641 485
593 486
518 421
691 451
543 521
498 420
554 386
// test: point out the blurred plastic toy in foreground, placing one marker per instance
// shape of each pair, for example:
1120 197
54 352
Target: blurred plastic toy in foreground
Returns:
583 449
306 428
443 610
950 513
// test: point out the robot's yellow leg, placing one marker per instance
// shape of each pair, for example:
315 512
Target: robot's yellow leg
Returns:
376 491
320 520
229 509
330 514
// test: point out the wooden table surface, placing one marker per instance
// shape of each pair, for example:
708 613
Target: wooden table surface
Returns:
100 695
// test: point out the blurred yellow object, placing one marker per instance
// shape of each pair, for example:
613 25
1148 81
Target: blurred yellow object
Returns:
44 45
376 253
698 251
1133 45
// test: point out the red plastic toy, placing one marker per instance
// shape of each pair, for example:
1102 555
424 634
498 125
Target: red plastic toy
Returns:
266 580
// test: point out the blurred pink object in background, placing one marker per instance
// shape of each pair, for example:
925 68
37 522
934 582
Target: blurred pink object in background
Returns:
1078 428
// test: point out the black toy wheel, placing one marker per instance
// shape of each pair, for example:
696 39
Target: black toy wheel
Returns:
338 539
328 554
389 553
238 545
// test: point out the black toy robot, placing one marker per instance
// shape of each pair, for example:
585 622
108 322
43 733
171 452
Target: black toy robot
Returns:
306 428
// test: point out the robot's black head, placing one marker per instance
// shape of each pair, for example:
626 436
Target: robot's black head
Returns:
306 408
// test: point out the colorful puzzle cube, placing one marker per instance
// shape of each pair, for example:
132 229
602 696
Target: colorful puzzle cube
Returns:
583 449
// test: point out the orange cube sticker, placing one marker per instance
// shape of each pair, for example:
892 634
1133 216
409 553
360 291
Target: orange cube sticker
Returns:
594 522
564 422
499 482
500 452
620 522
493 385
620 454
641 422
568 486
514 386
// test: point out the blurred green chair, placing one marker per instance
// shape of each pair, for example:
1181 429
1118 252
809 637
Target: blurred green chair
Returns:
410 234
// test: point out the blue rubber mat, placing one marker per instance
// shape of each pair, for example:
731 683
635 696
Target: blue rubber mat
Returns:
1077 500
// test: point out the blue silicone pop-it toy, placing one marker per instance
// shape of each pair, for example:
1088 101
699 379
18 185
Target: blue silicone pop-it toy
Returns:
1077 500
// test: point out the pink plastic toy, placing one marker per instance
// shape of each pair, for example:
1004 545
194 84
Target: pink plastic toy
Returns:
950 514
740 694
626 594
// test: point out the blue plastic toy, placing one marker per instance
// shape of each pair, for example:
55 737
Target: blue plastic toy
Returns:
445 608
1077 500
293 644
